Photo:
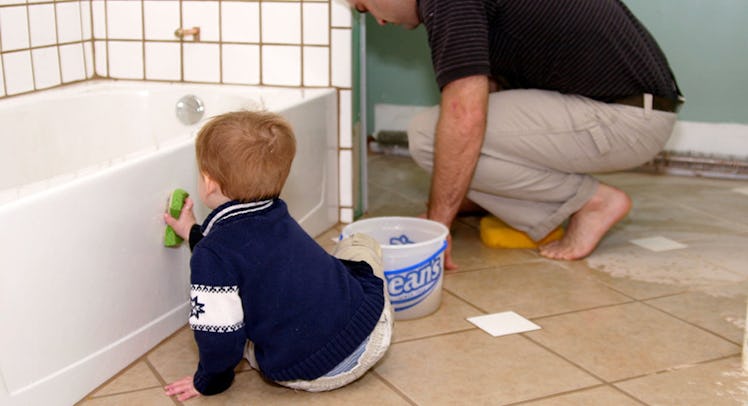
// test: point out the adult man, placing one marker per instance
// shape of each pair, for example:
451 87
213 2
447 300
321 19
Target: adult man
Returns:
583 88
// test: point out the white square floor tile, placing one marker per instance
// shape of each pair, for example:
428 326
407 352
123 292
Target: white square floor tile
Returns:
658 244
505 323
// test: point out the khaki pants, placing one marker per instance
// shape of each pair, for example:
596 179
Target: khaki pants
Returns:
539 147
358 247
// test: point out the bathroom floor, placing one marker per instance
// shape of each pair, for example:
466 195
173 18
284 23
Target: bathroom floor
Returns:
658 321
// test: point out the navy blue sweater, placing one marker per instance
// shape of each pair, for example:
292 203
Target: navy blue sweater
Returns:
256 275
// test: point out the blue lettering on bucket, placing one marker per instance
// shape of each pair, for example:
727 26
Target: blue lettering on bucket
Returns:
411 285
401 240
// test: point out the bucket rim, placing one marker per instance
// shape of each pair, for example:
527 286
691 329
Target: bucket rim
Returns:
442 236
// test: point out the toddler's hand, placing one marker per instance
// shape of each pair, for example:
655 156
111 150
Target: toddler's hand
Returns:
183 388
184 223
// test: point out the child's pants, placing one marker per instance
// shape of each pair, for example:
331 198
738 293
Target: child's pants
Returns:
358 247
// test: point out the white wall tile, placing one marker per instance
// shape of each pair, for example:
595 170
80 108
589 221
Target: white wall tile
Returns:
240 22
42 22
14 29
68 22
18 74
241 64
2 79
161 19
346 178
98 13
341 57
316 24
281 23
100 53
203 14
126 60
316 66
124 19
346 110
86 18
281 65
346 215
72 63
46 67
342 14
201 63
11 2
163 61
89 58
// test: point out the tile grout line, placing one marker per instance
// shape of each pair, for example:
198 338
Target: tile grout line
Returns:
392 387
704 329
570 392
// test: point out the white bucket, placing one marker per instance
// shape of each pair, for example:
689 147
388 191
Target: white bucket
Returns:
413 257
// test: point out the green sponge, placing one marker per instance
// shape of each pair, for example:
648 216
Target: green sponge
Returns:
176 202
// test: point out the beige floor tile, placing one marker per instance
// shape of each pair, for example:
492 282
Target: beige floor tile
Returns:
720 201
328 239
667 185
724 316
400 174
603 395
469 253
150 397
136 377
629 340
383 202
626 285
727 251
683 268
177 357
472 367
450 317
714 384
250 389
531 289
658 216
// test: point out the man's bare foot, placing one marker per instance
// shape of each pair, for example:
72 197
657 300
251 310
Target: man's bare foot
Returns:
588 225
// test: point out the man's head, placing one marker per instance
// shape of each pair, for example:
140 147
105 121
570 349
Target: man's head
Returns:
398 12
248 154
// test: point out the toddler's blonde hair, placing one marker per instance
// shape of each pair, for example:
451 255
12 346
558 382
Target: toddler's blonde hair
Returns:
248 153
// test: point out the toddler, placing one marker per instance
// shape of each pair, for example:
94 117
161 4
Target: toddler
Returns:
261 287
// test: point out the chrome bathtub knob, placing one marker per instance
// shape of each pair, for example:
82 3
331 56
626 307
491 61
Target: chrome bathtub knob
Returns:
190 109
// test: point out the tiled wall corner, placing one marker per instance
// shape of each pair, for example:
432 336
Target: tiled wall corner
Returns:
290 43
44 44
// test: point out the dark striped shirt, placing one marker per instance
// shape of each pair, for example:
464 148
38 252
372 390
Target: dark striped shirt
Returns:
594 48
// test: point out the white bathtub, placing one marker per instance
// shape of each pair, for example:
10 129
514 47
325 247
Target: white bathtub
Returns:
86 286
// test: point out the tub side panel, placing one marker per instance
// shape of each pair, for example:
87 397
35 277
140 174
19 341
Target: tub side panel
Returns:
87 277
311 190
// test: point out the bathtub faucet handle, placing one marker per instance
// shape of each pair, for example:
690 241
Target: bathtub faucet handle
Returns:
182 32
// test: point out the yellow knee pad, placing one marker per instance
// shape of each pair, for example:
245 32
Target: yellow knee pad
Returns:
496 234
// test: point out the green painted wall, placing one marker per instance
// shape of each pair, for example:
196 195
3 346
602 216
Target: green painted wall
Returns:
706 43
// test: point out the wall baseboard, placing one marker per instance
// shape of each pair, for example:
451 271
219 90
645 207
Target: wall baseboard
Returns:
720 139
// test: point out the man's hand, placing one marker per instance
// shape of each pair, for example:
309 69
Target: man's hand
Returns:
184 389
459 138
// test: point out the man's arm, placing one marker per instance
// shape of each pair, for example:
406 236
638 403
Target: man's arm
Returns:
459 137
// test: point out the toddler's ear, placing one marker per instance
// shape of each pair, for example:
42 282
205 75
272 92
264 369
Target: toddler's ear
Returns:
211 186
